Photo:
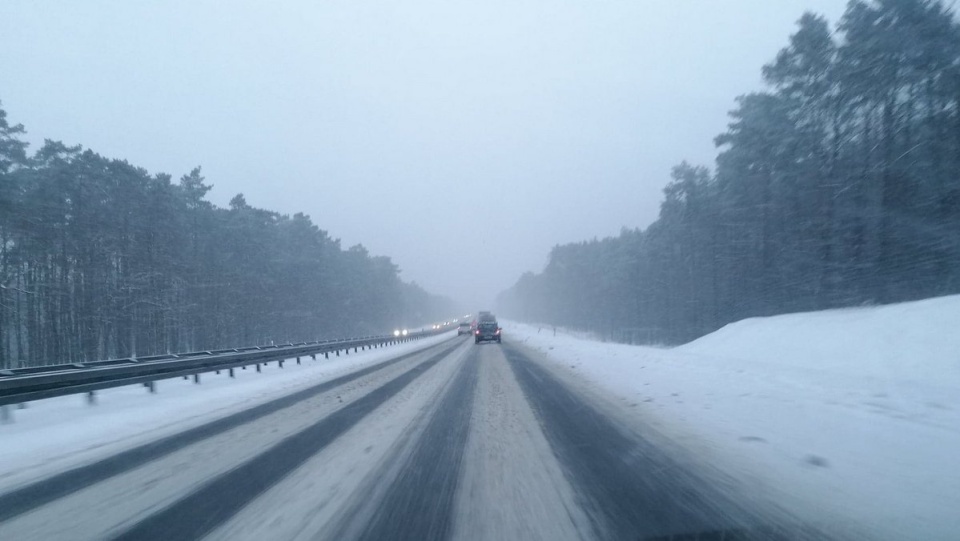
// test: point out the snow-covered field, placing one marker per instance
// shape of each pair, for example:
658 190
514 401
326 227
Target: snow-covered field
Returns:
842 417
52 435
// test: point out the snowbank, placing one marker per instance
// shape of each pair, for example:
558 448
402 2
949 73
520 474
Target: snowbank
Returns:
842 417
908 342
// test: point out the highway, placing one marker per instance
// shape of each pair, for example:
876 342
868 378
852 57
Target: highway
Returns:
455 441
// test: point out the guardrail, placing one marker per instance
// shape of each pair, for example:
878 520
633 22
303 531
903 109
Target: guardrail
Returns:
21 385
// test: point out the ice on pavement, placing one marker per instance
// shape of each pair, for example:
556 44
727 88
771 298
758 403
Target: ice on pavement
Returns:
843 417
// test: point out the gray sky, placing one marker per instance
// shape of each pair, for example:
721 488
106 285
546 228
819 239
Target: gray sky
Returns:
463 139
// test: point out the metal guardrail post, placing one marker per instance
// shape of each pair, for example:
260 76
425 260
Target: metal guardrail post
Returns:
6 414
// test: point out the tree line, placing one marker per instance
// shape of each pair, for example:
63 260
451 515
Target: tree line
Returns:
99 258
837 185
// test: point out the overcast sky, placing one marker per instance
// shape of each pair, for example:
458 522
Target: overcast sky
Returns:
462 139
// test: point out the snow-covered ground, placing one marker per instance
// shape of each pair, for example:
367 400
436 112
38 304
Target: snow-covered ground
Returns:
841 417
52 435
844 417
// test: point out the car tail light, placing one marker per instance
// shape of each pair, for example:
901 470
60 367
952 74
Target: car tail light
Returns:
498 331
478 331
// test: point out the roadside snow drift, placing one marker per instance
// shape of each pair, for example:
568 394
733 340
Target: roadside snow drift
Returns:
844 417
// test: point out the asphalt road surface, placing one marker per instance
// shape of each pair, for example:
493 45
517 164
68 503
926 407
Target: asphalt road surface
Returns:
457 441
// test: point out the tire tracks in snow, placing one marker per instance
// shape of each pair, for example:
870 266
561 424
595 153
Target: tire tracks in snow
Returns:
419 502
199 512
36 494
629 488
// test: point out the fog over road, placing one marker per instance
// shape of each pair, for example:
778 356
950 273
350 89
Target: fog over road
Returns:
456 441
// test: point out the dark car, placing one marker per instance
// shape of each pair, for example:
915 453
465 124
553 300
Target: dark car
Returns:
487 331
464 328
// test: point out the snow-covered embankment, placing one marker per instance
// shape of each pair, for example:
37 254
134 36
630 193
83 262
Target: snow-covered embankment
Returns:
840 416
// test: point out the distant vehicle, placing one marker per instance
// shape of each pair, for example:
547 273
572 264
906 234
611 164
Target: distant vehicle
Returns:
486 316
487 330
464 328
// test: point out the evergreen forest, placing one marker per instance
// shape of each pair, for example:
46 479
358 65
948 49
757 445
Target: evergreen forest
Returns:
101 259
837 185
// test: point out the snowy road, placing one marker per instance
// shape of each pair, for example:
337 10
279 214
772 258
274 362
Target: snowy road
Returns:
456 441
